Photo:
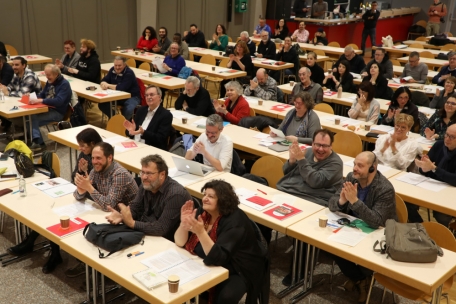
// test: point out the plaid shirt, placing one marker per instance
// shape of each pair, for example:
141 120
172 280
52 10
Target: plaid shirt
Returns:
266 91
27 84
112 186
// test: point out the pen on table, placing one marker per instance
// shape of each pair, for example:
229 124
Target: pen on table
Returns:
103 136
262 192
133 253
15 192
52 206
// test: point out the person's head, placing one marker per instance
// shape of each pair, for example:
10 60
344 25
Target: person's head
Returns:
262 22
52 72
174 49
414 59
119 64
319 31
367 89
69 47
365 166
450 84
244 36
374 5
401 97
287 42
153 96
177 37
193 28
241 48
87 46
375 69
344 67
87 139
153 172
233 90
379 54
449 109
264 36
149 32
281 23
322 144
19 65
302 26
452 59
192 85
450 138
349 52
220 30
214 127
304 75
311 57
303 102
262 76
162 32
102 156
219 198
402 125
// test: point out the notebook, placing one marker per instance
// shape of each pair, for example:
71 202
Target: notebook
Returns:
149 278
191 166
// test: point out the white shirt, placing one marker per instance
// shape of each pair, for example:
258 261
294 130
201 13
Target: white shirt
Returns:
222 149
150 114
407 150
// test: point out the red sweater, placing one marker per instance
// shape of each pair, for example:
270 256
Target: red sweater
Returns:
240 110
149 44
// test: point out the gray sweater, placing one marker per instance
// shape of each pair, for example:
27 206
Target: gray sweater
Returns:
303 129
73 62
311 180
419 73
380 204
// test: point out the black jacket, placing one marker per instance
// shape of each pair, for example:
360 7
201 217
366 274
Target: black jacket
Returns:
357 63
200 104
298 6
159 128
268 50
370 19
197 40
445 161
6 74
89 68
318 74
2 49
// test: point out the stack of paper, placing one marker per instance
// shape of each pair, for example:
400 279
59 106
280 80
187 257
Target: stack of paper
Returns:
422 182
55 187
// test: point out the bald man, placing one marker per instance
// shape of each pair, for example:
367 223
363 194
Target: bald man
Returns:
370 196
262 86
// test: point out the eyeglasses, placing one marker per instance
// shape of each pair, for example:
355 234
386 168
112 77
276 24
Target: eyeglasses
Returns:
403 128
450 103
451 137
301 74
318 146
146 174
150 95
212 133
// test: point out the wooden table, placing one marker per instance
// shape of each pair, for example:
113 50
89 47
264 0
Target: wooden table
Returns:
33 59
397 52
429 90
423 43
432 63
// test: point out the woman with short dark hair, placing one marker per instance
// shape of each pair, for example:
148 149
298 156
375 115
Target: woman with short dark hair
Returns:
365 107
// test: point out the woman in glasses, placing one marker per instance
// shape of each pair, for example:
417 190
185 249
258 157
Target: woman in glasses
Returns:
436 126
442 96
401 103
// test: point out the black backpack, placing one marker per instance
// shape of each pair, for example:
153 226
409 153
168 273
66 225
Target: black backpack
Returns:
77 118
440 39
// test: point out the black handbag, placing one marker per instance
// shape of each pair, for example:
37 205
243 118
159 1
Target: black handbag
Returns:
112 238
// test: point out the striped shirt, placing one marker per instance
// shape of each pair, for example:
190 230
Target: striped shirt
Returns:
112 186
158 214
26 84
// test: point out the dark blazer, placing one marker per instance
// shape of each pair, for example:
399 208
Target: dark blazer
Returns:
159 128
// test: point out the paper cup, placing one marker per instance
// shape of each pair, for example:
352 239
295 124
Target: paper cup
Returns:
337 121
118 48
184 120
213 68
292 83
322 221
367 127
136 52
220 53
64 222
260 102
151 74
173 283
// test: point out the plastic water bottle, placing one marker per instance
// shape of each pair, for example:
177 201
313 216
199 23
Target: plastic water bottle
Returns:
8 56
22 188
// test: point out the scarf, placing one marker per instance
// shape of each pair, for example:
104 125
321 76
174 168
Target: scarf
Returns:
301 131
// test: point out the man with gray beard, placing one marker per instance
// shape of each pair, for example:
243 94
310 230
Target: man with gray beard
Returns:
157 206
195 99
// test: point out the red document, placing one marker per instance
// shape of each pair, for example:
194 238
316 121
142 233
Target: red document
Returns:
74 227
282 212
259 200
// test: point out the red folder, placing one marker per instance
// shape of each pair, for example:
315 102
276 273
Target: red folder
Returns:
57 230
282 212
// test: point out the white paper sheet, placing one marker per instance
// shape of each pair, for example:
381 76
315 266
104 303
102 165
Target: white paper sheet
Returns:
181 114
356 76
60 190
33 96
348 236
432 185
74 209
280 136
412 178
187 271
187 179
426 110
159 63
173 172
164 260
201 121
383 128
50 183
425 141
261 136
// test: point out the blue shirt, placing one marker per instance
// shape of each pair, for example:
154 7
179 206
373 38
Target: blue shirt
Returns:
266 28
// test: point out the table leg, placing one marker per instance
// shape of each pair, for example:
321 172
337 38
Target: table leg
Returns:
297 260
87 284
71 159
30 125
103 299
436 295
95 286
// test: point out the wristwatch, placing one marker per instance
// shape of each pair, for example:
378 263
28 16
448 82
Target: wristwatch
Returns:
433 170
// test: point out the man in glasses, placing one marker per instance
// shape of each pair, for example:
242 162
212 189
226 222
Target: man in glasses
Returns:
307 85
440 163
415 69
369 196
356 61
266 48
156 208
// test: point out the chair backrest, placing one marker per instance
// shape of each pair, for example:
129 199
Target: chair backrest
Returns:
207 44
423 23
449 34
208 59
416 46
353 45
56 164
131 63
334 44
320 52
447 47
427 54
144 66
441 235
401 210
324 107
115 124
269 167
224 62
68 113
230 39
252 112
280 94
340 143
421 38
395 62
11 49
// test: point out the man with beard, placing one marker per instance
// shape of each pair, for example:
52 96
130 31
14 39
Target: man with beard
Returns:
262 86
195 99
156 208
163 41
88 67
307 85
369 196
195 38
266 48
183 47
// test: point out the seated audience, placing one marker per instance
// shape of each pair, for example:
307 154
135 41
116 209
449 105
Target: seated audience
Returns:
240 60
156 208
262 86
281 30
317 73
216 148
183 47
251 46
152 124
87 139
235 106
436 126
70 59
221 234
88 67
441 97
262 26
301 34
266 48
307 85
148 40
375 76
415 69
356 61
286 54
219 39
446 70
195 38
369 196
365 107
382 59
121 78
195 99
300 123
163 41
174 62
320 37
440 164
401 103
341 78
